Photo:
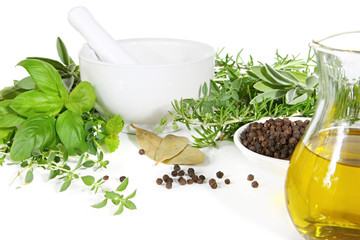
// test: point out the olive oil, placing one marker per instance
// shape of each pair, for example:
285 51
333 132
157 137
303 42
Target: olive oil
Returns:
323 185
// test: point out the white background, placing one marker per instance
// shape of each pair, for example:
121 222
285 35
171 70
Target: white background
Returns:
30 28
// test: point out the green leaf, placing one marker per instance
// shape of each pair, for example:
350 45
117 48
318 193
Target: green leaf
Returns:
33 102
112 142
278 77
100 204
65 185
70 129
29 176
88 163
37 132
120 210
5 133
290 95
272 94
82 98
111 195
311 81
45 76
231 74
299 99
53 174
10 92
129 205
114 125
62 51
78 165
204 89
264 86
51 157
123 185
26 83
88 180
8 117
56 64
115 201
131 195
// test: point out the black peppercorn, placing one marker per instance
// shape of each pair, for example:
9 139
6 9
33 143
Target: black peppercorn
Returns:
122 178
190 181
219 174
255 184
159 181
174 173
168 185
181 173
106 177
177 167
182 181
141 151
202 177
250 177
227 181
191 171
165 177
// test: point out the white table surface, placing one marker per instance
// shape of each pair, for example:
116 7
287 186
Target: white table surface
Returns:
236 211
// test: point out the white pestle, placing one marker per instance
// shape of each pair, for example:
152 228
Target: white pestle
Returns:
107 49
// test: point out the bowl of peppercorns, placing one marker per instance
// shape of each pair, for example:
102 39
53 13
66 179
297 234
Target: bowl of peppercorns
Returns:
270 142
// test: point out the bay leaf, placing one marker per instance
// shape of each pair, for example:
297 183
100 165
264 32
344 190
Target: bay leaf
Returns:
170 146
148 141
189 156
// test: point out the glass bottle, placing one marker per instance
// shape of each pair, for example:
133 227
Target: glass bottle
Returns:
323 180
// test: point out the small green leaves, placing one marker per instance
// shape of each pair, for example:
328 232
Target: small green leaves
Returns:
123 185
88 180
120 210
129 204
65 185
89 164
82 98
131 195
29 176
62 51
100 204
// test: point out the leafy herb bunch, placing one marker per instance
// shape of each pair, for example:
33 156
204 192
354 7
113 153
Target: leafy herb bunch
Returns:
242 92
49 116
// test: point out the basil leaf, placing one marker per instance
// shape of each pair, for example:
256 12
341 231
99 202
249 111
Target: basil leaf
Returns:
5 134
26 83
70 129
114 125
82 98
37 132
35 102
56 64
45 76
112 142
8 117
62 51
10 92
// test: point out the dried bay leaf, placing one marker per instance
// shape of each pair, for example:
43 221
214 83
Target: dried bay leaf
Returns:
170 146
189 156
148 141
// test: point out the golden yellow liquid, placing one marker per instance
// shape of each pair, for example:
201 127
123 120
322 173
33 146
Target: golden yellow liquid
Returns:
323 186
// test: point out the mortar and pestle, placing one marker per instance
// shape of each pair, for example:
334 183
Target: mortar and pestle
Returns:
139 78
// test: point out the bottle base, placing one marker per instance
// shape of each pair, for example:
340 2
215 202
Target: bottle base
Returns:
328 232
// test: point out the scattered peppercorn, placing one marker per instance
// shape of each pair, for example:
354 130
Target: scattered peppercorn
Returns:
275 138
169 179
191 171
255 184
159 181
194 177
177 167
219 174
182 181
168 185
181 173
214 185
199 181
122 178
250 177
202 177
227 181
106 177
211 181
174 173
141 151
165 177
190 181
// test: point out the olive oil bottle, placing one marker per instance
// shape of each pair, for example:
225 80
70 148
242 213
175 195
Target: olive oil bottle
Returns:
323 186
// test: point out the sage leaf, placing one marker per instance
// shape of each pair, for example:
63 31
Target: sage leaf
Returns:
189 156
26 83
272 94
82 98
29 176
100 204
45 76
62 51
8 117
70 129
264 86
120 210
299 99
311 81
129 205
37 132
65 185
148 141
169 147
35 102
88 180
290 95
278 77
123 185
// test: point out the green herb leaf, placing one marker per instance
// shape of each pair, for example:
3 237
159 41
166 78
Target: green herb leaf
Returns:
112 142
264 86
131 195
33 103
82 98
26 83
65 185
37 132
272 94
111 195
56 64
311 81
62 51
100 204
120 210
89 163
114 125
45 76
8 117
53 173
88 180
29 176
70 129
123 185
129 204
5 133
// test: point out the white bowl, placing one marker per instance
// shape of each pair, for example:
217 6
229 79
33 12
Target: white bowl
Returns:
142 94
272 165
